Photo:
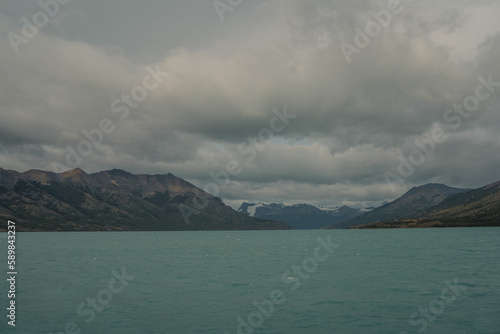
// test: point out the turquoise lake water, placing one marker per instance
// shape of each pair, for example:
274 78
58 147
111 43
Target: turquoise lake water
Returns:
347 281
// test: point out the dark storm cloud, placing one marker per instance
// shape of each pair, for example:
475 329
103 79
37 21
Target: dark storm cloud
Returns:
352 121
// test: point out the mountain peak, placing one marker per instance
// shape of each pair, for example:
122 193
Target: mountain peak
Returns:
430 189
40 176
73 172
118 172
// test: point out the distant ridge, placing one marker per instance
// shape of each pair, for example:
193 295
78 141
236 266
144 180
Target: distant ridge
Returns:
412 202
476 207
114 200
299 216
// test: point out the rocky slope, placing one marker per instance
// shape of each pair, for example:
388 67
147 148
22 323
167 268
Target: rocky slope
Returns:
114 200
477 207
412 202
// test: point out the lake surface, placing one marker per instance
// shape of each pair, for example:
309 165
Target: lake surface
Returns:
347 281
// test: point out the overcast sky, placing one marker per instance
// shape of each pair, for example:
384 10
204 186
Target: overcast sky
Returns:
353 97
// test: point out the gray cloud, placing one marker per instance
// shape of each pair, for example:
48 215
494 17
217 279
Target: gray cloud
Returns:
353 121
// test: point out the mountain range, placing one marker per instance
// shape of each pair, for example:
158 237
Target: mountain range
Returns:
299 216
408 205
118 200
476 207
114 200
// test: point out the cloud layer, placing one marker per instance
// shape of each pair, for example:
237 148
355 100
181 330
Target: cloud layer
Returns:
227 79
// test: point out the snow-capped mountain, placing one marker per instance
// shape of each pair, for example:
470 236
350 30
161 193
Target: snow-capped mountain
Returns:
299 216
